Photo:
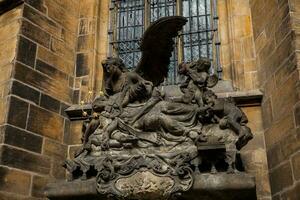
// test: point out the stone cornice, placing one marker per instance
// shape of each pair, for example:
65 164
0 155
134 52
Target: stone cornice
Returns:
6 5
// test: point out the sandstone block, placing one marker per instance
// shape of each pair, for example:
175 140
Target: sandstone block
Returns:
21 138
291 194
42 21
296 166
8 51
56 61
14 181
54 87
55 150
35 33
17 113
37 4
281 177
38 185
24 160
50 103
45 123
25 92
26 52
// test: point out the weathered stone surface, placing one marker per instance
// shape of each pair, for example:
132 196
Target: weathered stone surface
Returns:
9 30
6 73
85 42
25 92
37 4
45 123
51 71
13 196
61 48
281 177
26 52
219 186
291 143
46 84
82 67
38 185
59 12
63 107
8 51
55 60
75 133
297 114
57 171
296 166
35 33
136 186
17 113
42 21
14 181
50 103
55 150
21 138
4 107
285 97
279 130
275 156
24 160
291 194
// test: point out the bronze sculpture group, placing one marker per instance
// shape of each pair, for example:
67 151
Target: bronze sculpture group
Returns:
135 127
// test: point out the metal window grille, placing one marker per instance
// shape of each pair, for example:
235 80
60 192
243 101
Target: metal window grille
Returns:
129 30
198 39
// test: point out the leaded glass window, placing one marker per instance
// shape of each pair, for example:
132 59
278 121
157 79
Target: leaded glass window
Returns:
130 27
198 38
197 34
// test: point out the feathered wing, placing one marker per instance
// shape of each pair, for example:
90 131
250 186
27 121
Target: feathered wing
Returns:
157 46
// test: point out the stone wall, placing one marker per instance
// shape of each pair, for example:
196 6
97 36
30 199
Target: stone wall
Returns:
37 76
276 34
238 59
237 44
91 49
51 58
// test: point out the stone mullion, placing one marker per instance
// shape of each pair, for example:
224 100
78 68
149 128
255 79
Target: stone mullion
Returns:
113 27
147 14
180 38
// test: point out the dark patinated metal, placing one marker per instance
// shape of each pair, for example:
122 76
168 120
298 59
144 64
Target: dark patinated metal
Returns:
139 143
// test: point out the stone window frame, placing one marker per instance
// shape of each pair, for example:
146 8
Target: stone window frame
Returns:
215 41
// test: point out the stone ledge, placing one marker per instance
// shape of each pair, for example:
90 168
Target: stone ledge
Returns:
6 5
239 186
244 98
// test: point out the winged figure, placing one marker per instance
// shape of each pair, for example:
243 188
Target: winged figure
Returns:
156 46
134 116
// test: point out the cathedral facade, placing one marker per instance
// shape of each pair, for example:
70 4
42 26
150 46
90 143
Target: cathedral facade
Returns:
50 59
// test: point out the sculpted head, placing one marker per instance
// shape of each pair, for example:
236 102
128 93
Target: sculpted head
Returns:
113 65
199 68
209 97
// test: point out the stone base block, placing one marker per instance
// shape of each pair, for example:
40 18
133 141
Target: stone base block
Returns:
220 186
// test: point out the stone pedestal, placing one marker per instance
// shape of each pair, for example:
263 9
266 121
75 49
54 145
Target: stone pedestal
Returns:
221 186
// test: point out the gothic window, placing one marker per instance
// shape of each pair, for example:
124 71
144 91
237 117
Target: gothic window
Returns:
199 38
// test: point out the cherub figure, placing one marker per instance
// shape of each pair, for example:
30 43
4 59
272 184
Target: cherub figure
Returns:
228 115
197 79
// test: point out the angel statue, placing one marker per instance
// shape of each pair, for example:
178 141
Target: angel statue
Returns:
135 126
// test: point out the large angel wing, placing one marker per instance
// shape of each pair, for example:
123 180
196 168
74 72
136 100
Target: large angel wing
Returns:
157 46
